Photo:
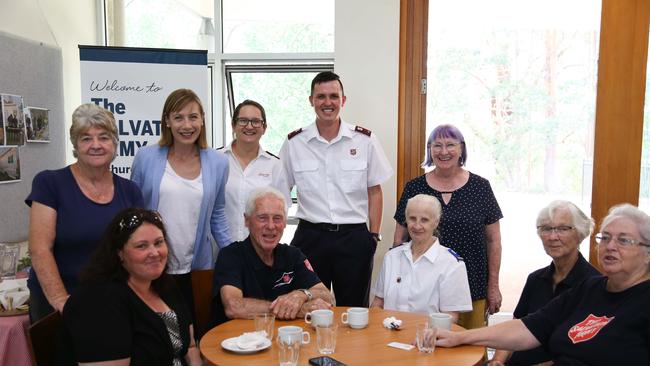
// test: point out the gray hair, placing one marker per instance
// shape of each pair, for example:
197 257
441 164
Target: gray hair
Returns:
626 210
91 115
427 200
583 224
263 192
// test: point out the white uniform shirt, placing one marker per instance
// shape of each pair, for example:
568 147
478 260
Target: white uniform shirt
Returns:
436 282
332 177
179 205
263 171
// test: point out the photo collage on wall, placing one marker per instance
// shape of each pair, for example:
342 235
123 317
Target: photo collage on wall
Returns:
19 125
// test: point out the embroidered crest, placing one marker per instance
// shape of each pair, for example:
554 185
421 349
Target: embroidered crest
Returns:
588 328
353 152
285 279
308 265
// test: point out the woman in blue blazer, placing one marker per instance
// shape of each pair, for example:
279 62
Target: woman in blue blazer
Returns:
185 181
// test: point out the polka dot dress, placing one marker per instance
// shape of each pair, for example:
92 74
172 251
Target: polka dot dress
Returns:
462 225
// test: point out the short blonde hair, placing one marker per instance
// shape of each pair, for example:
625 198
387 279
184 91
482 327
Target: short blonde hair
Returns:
91 115
176 101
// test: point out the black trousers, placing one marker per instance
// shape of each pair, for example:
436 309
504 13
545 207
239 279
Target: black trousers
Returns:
342 259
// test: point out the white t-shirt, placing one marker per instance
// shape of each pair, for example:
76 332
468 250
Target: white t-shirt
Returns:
435 282
179 205
265 170
332 177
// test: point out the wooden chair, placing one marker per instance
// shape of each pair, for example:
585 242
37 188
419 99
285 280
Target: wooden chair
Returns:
42 336
202 295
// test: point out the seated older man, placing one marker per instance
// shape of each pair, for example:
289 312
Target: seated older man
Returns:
259 275
423 276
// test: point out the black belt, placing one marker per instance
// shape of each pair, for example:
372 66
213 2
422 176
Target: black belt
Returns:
323 226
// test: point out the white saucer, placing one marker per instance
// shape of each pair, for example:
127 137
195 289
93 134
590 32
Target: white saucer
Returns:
230 344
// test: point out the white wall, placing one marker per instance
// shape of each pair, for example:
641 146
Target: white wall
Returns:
62 23
367 59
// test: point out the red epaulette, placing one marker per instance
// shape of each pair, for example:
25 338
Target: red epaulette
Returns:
294 133
364 131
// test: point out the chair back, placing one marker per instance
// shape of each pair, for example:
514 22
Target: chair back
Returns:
202 296
42 336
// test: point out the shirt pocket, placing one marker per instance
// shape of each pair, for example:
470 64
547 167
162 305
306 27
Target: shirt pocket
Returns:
354 175
306 175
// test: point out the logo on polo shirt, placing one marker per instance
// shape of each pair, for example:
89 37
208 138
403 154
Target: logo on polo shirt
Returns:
308 265
588 328
285 279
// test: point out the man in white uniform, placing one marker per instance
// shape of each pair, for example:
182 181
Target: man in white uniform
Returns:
337 169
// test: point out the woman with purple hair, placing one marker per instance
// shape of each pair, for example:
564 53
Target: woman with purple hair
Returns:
470 218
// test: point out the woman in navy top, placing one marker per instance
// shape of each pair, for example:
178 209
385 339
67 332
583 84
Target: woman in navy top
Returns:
71 207
561 226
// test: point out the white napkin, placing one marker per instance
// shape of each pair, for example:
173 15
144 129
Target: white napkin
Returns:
251 340
15 289
392 323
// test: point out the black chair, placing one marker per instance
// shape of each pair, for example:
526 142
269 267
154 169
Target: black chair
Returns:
42 336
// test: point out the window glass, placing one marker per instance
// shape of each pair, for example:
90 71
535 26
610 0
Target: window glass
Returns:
644 188
284 96
185 24
278 26
518 77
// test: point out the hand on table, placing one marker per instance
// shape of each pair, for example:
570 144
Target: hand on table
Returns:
315 304
287 306
447 338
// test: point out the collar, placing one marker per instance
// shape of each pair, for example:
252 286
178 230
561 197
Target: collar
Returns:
575 275
345 130
260 152
251 255
431 254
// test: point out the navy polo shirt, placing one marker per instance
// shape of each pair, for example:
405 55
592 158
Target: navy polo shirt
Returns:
239 265
537 292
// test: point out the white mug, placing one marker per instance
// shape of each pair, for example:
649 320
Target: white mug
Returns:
322 317
356 318
290 334
440 320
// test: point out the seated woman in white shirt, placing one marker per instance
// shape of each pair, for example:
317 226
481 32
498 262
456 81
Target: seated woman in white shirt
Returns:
423 276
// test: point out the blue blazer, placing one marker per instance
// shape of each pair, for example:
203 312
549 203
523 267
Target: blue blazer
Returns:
147 172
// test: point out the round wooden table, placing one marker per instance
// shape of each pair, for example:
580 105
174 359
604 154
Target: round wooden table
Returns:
366 346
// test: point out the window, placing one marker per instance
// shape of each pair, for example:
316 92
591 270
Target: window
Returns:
519 80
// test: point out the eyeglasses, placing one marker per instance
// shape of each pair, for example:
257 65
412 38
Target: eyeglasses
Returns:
559 230
134 220
255 122
450 146
621 241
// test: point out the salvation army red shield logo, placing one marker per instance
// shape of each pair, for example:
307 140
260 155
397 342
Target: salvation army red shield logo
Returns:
588 328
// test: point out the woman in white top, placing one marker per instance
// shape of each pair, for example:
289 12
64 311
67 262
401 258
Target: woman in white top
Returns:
185 181
423 276
250 165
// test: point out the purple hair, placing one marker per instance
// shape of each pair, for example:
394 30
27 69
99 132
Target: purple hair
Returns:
445 131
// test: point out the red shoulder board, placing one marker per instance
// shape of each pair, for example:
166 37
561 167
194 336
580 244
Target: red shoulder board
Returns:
364 131
294 133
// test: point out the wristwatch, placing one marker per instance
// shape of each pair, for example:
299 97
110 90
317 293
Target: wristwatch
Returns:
307 293
376 236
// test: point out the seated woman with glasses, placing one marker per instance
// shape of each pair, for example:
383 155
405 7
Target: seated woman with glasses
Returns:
561 226
128 311
602 321
250 165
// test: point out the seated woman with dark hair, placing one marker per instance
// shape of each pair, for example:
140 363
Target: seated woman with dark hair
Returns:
127 310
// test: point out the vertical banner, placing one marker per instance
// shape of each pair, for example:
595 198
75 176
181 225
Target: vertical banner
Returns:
133 83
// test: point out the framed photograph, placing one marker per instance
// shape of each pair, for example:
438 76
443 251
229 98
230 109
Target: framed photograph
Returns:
13 119
37 124
9 164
